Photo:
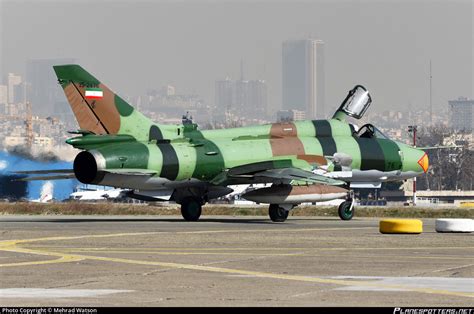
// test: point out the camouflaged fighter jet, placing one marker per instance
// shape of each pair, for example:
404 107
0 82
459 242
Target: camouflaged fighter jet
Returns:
304 161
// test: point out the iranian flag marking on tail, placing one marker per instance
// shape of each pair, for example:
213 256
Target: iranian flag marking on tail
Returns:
94 93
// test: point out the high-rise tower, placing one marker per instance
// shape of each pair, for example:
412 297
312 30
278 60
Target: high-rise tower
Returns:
303 77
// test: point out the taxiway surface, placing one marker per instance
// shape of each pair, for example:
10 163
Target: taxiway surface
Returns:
229 261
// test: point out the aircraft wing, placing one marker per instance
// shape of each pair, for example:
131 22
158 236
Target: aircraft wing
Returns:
278 171
52 174
45 171
295 174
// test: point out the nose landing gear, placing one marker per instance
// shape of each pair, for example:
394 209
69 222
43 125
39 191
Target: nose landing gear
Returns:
346 209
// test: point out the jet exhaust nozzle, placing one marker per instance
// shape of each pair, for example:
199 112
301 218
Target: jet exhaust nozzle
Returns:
87 166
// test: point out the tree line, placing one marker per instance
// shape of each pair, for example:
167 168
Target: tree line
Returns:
451 164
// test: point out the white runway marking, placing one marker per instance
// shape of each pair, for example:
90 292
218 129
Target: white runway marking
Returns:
442 283
55 293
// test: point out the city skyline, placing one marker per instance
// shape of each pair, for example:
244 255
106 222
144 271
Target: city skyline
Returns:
385 46
245 100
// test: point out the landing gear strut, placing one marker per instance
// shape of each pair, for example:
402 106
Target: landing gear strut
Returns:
277 213
346 209
191 208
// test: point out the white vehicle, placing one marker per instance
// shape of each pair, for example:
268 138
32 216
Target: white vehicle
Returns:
97 195
44 199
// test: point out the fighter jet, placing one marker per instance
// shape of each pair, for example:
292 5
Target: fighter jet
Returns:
304 161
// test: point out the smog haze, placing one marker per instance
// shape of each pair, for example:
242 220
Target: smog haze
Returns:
136 45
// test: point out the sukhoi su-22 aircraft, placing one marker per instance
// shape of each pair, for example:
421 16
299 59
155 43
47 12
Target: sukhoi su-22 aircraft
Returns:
304 161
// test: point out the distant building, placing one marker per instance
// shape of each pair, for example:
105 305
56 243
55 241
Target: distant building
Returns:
13 83
303 82
290 115
168 90
462 114
3 94
245 98
44 93
10 141
45 142
441 197
258 103
165 105
40 141
225 94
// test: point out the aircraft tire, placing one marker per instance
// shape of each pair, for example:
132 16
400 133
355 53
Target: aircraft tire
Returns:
401 226
344 210
454 225
191 209
277 213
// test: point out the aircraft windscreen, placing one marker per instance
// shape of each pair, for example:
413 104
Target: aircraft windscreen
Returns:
370 131
379 134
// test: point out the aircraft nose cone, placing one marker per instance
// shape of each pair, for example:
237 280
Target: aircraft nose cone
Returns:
424 162
414 159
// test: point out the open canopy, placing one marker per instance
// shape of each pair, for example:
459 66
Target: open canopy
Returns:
357 102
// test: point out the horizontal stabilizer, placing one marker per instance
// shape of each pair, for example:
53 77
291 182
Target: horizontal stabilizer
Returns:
45 178
81 132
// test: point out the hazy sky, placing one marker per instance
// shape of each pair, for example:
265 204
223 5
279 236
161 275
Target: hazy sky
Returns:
135 45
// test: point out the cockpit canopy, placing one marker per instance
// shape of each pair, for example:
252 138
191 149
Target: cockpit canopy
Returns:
357 102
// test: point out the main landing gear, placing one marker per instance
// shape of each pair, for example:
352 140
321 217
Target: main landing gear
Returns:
346 209
191 208
278 213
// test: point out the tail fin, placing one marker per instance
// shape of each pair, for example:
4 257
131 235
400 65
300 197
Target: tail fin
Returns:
97 108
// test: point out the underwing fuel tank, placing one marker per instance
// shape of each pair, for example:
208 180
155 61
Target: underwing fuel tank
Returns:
295 194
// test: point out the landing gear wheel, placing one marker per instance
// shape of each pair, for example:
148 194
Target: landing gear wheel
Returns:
277 213
191 209
345 211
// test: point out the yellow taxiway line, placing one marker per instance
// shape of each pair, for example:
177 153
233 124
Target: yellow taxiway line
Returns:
62 259
206 252
10 242
262 248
